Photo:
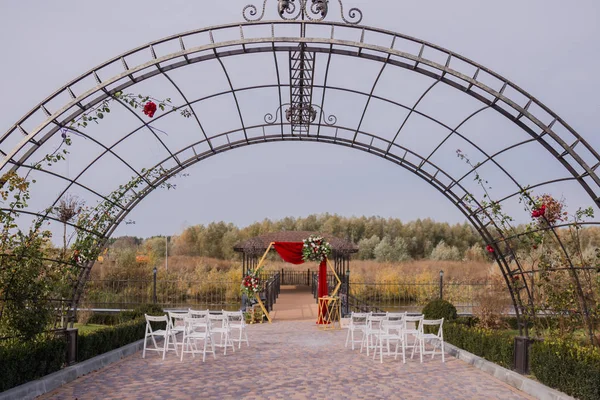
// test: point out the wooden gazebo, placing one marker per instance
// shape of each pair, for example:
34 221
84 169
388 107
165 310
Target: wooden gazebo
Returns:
253 248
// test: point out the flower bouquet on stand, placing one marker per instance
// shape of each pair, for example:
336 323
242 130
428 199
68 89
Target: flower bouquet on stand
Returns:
252 284
315 248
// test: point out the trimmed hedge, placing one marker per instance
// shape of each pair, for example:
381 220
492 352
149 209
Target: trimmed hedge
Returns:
105 319
440 308
497 347
124 316
21 362
568 367
110 338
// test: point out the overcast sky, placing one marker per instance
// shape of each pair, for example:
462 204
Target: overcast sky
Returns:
548 47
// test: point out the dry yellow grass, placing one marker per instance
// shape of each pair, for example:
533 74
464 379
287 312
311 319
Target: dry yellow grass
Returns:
417 281
203 268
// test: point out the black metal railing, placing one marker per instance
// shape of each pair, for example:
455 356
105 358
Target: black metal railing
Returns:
296 277
331 283
168 293
412 296
401 296
272 290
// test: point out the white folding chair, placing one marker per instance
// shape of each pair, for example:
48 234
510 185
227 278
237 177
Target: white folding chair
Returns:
197 329
397 316
411 324
219 325
390 330
373 328
165 334
358 323
436 339
198 313
236 321
176 323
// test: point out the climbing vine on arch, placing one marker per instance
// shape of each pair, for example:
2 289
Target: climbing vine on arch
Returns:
36 279
562 277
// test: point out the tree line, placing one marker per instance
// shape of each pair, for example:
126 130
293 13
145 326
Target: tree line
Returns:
378 238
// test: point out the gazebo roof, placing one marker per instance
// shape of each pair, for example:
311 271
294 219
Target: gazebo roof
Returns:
258 244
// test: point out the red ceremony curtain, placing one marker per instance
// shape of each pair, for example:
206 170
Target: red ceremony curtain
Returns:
322 290
290 251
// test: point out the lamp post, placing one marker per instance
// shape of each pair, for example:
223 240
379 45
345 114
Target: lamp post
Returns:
441 284
154 299
166 253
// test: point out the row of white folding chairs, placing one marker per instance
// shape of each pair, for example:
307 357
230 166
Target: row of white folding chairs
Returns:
395 327
196 325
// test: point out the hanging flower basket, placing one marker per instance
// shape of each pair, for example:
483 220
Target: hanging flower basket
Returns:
315 248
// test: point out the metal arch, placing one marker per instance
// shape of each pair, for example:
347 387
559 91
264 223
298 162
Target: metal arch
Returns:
522 126
417 60
430 118
440 73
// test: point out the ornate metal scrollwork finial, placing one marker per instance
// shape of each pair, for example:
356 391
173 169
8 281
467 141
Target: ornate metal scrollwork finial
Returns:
313 10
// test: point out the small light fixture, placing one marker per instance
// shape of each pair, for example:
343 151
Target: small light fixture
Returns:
441 273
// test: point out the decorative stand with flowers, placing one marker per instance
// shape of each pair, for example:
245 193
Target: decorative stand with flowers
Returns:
315 248
252 286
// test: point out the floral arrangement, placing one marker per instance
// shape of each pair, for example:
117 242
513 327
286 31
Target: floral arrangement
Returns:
315 248
251 283
547 208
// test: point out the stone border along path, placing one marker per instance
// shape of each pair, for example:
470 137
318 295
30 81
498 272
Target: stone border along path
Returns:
290 359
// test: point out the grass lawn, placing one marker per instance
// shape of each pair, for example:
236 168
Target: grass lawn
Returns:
89 327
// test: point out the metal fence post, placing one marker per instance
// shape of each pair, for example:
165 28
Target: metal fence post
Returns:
154 299
308 276
441 284
347 310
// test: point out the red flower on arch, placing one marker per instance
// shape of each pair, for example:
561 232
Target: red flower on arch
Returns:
150 109
489 248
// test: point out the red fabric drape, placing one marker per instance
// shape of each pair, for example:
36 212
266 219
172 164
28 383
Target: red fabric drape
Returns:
290 251
322 290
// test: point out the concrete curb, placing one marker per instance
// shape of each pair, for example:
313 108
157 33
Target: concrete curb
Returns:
518 381
56 379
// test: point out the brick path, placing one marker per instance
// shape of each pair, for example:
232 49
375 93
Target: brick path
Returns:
287 359
295 303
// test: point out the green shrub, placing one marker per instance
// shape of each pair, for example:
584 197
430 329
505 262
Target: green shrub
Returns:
104 340
468 321
21 362
439 308
568 367
105 319
138 312
494 346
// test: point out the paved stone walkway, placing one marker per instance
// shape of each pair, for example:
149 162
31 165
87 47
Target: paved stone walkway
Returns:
287 360
295 303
